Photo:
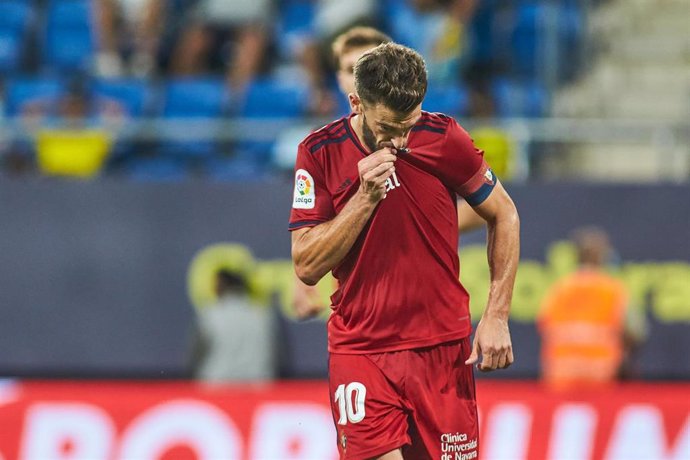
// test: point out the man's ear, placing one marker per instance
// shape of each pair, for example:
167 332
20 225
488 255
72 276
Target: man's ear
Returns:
355 103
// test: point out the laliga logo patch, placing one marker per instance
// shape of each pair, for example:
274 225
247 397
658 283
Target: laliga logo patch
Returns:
303 197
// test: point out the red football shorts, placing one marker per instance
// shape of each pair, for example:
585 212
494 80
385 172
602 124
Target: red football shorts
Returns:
420 400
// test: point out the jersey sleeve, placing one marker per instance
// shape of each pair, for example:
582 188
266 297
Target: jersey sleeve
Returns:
465 169
311 201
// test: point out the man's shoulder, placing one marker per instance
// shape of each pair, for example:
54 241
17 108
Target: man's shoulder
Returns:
435 123
333 133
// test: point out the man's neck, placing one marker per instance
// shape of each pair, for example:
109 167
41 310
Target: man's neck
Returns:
357 124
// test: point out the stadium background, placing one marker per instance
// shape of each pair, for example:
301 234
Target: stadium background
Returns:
113 220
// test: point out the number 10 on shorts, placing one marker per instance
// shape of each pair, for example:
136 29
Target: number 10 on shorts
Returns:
350 401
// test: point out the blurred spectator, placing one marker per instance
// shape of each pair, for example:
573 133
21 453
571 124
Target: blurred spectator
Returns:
235 337
586 324
333 20
347 48
437 29
128 28
73 133
230 36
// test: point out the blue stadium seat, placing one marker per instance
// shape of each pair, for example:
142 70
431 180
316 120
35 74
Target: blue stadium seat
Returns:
15 17
530 34
10 51
517 98
293 26
526 36
23 91
572 40
482 41
269 98
132 94
69 13
451 100
68 42
14 14
197 99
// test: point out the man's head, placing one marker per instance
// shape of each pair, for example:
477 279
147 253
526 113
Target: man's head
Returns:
348 47
229 282
593 246
390 85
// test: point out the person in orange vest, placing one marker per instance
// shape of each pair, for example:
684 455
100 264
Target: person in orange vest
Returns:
585 322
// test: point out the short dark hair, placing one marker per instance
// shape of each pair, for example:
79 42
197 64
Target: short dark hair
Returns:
392 75
356 37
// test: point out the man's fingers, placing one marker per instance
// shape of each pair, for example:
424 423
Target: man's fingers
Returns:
502 360
384 169
488 362
474 356
375 159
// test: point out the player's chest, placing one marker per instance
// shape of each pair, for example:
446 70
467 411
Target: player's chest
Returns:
409 188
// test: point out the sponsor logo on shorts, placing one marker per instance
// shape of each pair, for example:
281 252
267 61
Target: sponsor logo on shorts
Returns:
458 446
343 441
303 196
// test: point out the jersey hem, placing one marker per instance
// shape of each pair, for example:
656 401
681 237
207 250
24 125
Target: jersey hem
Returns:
408 345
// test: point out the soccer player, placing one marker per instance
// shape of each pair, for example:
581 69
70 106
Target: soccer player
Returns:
346 49
375 203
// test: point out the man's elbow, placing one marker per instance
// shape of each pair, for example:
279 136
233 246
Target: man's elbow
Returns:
307 275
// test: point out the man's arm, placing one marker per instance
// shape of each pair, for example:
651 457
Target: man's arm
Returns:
317 250
492 337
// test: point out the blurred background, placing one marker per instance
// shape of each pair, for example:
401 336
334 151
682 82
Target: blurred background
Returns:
146 172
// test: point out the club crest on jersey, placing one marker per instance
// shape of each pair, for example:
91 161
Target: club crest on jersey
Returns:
303 196
489 177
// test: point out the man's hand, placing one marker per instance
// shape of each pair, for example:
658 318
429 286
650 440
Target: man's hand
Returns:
492 341
307 302
373 172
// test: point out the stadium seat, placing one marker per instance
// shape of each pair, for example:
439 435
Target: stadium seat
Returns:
15 17
68 42
132 94
293 27
527 34
572 40
10 51
517 98
269 98
23 91
194 99
482 40
451 100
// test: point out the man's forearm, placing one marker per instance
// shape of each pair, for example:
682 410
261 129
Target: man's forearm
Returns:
321 248
503 253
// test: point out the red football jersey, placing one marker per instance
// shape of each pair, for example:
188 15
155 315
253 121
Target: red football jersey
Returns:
399 285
